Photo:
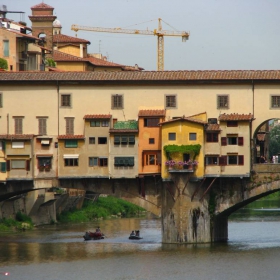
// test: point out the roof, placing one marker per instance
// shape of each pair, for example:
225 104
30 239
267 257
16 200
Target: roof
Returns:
213 127
236 117
61 38
184 119
102 62
65 137
17 136
42 6
144 76
151 113
23 35
97 116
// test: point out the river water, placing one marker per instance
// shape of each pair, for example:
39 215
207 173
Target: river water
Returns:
59 252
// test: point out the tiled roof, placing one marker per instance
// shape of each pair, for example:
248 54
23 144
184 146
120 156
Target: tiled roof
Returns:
213 127
42 6
101 62
24 35
97 116
61 38
184 119
133 76
236 117
151 113
17 136
62 137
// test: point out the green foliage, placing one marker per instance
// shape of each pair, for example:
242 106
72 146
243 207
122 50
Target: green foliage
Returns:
22 217
50 62
102 208
22 222
212 204
184 149
274 141
3 63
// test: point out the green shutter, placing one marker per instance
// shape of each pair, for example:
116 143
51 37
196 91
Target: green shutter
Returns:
3 167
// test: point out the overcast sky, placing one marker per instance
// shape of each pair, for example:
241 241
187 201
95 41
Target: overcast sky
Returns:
224 34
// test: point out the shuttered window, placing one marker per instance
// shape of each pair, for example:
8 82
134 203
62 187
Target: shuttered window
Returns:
6 48
71 143
69 126
65 100
170 101
117 101
42 126
3 167
18 125
1 99
124 161
240 141
18 164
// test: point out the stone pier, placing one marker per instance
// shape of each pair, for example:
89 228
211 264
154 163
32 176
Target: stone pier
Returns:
185 214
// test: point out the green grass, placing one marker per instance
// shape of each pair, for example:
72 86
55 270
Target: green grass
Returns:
20 223
104 207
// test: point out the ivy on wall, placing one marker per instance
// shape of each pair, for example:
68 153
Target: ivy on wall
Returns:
184 149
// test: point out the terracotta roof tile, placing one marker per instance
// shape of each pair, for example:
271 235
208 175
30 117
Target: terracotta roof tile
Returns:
151 113
236 117
143 76
42 6
213 127
100 116
184 119
16 136
61 38
101 62
65 137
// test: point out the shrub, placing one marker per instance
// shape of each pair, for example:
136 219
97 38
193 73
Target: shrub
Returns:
3 63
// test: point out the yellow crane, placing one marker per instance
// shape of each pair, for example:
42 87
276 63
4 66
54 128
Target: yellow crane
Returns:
156 32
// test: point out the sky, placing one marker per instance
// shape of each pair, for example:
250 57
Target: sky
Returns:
224 34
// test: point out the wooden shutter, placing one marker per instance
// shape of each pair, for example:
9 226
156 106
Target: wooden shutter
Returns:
223 160
42 126
3 167
27 165
240 141
223 141
8 165
241 160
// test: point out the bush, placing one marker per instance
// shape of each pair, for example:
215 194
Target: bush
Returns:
3 63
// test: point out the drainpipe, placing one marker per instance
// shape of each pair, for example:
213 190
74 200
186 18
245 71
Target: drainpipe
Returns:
252 142
58 118
8 123
109 158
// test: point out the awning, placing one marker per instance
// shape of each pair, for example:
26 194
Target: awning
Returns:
71 156
44 155
45 142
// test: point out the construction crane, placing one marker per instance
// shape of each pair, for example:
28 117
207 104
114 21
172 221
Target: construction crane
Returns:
156 32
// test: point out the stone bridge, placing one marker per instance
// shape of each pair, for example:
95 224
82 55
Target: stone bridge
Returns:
191 211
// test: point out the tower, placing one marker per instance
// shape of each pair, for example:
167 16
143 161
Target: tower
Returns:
42 23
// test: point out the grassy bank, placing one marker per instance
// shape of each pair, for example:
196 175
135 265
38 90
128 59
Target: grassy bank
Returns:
22 222
104 207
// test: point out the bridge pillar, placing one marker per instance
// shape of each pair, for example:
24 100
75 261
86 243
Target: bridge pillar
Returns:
185 216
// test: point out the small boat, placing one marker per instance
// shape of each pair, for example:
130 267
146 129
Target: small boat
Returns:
93 236
135 235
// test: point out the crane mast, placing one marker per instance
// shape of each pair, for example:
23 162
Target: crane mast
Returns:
156 32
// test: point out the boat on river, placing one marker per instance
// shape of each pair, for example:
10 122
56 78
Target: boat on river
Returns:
93 236
135 235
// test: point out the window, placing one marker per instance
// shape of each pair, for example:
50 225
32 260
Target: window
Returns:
6 48
232 160
91 140
152 158
212 160
117 140
71 162
71 143
3 167
65 100
275 101
151 122
18 164
1 99
124 139
170 101
117 101
44 162
105 123
232 140
18 125
212 137
131 139
42 123
172 136
232 123
103 161
69 126
124 161
102 140
17 145
223 102
95 123
192 136
93 161
151 140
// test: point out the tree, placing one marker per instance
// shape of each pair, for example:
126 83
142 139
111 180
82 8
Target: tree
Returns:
274 141
3 63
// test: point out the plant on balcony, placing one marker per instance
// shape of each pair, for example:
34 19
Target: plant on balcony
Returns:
193 150
191 162
170 163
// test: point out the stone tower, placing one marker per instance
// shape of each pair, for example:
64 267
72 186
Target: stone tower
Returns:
57 27
42 23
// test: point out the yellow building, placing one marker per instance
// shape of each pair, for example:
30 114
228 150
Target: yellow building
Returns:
182 139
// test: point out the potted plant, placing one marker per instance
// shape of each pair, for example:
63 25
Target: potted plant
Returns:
170 163
190 164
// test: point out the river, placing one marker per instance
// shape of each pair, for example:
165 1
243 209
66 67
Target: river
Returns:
59 252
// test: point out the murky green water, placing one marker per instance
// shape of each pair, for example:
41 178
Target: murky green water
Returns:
59 252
